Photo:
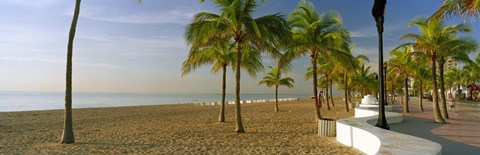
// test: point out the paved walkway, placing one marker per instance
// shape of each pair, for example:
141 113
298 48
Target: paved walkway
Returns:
461 135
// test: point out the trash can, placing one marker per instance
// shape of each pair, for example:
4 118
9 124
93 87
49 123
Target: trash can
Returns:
327 127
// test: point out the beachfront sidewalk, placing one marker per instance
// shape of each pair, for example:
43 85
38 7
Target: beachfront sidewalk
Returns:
461 135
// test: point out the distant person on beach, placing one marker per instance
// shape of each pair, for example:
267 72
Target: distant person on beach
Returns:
452 106
320 99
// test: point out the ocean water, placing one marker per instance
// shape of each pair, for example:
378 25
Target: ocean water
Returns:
27 101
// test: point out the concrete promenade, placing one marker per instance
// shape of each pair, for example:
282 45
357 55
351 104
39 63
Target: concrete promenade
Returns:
460 136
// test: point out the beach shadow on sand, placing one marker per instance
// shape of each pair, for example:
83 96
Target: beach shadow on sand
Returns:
422 128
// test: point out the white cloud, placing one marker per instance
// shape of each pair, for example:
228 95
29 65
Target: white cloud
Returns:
51 60
370 52
32 3
371 31
171 48
175 16
366 32
101 38
38 59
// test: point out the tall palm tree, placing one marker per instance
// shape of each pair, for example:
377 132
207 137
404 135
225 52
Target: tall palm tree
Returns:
67 135
466 8
319 35
220 55
433 34
427 42
274 79
457 49
402 62
236 20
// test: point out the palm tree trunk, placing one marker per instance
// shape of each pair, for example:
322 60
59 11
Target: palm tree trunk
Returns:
459 95
221 118
394 97
67 135
401 99
315 93
345 92
276 98
436 110
238 111
420 104
362 92
405 105
349 95
442 91
326 93
331 92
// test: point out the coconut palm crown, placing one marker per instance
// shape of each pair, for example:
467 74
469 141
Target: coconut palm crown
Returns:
465 8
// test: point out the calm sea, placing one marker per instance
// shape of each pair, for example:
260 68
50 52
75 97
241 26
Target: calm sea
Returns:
27 101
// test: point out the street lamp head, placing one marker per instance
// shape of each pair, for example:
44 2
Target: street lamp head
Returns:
378 12
385 65
378 9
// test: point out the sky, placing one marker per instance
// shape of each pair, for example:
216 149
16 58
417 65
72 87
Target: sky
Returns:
125 46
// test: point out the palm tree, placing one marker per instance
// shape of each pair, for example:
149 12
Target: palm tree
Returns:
364 79
420 74
456 76
67 135
457 49
274 78
319 35
324 68
220 55
322 83
433 34
390 82
473 73
403 63
466 8
356 61
344 63
427 42
359 60
235 20
334 77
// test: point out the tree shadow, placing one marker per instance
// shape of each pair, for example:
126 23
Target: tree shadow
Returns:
422 128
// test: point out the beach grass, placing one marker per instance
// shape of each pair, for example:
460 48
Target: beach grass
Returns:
174 129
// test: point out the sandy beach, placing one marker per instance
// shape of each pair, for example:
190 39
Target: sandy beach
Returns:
174 129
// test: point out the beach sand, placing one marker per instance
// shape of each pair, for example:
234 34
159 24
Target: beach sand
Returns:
174 129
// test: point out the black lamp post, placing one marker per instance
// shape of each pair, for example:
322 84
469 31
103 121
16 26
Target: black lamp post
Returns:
378 12
385 82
